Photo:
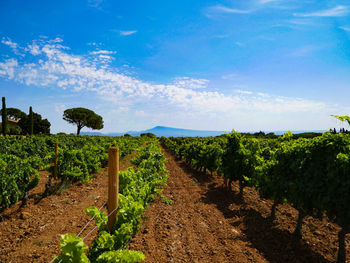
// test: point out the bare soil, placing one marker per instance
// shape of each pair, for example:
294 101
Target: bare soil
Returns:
208 223
32 233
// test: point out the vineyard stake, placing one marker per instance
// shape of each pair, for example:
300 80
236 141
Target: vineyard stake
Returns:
113 185
56 161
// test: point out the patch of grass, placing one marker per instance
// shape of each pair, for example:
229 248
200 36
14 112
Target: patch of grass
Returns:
63 186
65 201
38 242
166 200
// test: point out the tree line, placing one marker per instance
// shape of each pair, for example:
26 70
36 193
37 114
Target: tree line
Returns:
17 122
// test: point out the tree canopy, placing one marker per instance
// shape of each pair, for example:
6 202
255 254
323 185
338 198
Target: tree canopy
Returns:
39 125
83 117
14 113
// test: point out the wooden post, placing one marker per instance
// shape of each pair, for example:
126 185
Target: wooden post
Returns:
56 161
113 185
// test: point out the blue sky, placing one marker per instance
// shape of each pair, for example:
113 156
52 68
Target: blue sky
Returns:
215 65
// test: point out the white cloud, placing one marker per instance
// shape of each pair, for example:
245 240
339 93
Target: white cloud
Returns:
333 12
8 68
226 10
95 3
231 76
345 28
8 42
60 107
127 33
54 65
240 44
190 83
104 52
304 51
267 1
103 56
243 91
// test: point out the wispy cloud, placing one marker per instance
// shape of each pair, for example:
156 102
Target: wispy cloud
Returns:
339 10
267 1
53 65
127 33
60 107
104 56
220 10
95 3
243 91
7 41
240 44
304 51
190 83
105 52
231 76
345 28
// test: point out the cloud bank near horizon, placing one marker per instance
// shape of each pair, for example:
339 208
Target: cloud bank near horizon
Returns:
54 65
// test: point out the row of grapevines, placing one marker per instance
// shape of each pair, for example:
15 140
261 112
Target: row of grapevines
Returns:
17 177
313 175
137 188
79 157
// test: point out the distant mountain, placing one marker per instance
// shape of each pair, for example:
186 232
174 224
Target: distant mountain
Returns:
163 131
177 132
297 132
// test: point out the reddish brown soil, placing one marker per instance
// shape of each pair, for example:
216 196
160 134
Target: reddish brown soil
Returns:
207 223
32 233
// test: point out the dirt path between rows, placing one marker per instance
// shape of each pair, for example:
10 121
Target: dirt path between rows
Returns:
207 223
32 234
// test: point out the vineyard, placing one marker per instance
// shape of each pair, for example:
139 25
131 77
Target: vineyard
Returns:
309 174
22 157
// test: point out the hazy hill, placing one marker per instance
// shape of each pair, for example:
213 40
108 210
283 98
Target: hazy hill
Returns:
163 131
177 132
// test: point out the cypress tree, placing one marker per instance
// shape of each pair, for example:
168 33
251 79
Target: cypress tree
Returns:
4 117
31 121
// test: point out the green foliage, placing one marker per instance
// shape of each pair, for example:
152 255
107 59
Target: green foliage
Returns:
14 129
148 134
40 126
123 256
83 118
100 217
165 200
14 113
137 189
287 136
201 153
342 118
72 248
79 158
17 177
312 174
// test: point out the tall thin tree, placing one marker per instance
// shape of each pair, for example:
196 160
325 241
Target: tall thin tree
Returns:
4 117
31 121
